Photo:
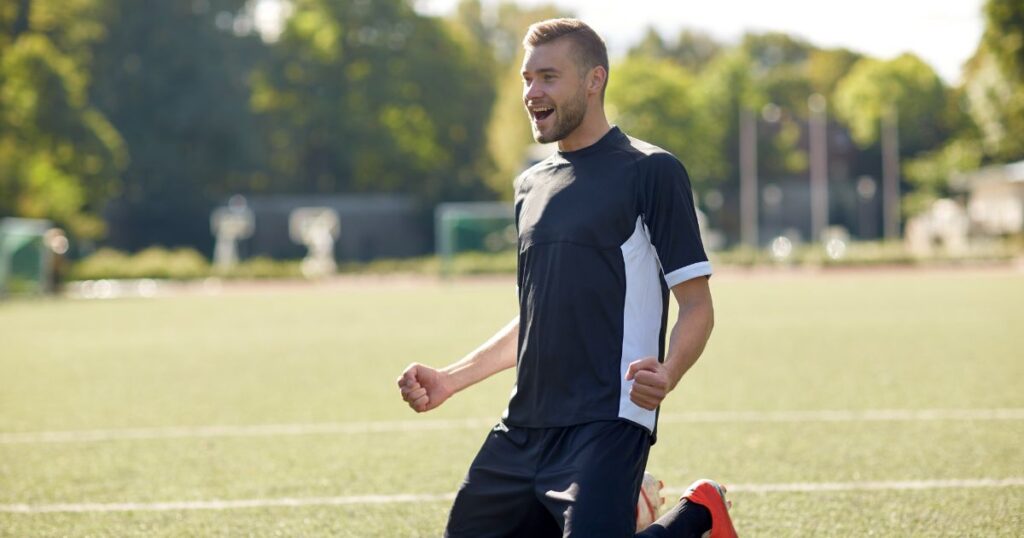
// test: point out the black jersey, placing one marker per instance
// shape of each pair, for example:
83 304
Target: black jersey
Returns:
604 232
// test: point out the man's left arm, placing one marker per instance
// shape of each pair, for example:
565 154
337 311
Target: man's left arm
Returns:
653 380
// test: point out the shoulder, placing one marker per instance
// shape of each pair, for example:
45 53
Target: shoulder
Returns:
652 158
656 164
537 169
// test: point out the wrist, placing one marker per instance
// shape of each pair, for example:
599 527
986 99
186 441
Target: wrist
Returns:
450 378
675 374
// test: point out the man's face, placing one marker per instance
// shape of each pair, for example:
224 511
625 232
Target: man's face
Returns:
553 91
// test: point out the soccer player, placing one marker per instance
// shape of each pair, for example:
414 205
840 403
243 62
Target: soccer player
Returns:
607 227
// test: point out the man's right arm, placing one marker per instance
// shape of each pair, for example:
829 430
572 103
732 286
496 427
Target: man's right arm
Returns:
425 388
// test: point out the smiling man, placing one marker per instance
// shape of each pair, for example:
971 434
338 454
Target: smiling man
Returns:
607 231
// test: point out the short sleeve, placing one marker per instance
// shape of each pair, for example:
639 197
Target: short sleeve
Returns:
671 219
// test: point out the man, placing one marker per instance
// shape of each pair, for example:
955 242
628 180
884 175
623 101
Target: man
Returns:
606 228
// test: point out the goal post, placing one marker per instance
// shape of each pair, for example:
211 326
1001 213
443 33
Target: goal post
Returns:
26 262
472 227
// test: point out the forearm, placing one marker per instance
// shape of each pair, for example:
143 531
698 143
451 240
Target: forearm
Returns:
689 336
496 354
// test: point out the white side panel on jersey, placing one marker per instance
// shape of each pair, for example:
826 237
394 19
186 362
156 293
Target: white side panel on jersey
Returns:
515 389
641 327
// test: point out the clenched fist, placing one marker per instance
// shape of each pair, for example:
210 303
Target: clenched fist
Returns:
423 387
651 382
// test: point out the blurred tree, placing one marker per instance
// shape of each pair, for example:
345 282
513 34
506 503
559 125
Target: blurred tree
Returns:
171 76
927 112
508 131
783 121
726 87
826 67
905 85
931 172
782 71
772 49
1004 34
59 157
369 96
667 110
992 128
651 45
994 81
73 26
692 49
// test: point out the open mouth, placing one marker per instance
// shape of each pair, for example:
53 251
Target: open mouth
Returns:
540 113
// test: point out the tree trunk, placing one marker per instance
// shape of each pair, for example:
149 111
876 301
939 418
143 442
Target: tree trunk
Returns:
20 25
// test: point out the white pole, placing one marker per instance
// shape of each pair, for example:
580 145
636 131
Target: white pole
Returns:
748 179
891 174
818 128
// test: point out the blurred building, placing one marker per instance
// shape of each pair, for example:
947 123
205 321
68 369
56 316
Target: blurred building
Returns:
995 198
371 226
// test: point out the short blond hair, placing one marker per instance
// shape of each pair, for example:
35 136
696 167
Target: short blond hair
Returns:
590 50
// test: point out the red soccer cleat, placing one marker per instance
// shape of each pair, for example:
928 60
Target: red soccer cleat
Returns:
710 495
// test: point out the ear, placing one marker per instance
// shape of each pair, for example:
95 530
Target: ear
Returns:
596 79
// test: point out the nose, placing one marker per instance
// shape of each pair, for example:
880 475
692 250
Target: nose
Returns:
531 91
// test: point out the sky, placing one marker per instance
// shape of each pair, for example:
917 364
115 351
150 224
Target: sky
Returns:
944 33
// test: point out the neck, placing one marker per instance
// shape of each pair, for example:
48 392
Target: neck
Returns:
594 126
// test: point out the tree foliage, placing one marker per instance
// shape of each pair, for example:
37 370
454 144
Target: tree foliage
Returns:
170 76
508 129
994 81
60 158
692 49
148 113
930 173
666 108
371 96
727 86
992 129
905 86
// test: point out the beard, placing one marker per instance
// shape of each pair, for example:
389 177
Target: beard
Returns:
570 116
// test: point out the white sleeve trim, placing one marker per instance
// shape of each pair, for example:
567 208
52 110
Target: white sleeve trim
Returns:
686 273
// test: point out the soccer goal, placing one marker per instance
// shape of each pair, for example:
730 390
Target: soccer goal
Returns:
472 227
26 258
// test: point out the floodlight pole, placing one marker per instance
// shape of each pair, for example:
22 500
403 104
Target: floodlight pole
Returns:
891 173
818 131
748 178
443 238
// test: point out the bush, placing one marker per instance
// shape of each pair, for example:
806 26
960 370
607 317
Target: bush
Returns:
178 264
263 267
153 262
186 263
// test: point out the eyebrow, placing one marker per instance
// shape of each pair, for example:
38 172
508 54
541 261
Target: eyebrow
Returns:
542 70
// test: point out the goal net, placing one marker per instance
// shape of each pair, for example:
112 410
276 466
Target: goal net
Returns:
461 227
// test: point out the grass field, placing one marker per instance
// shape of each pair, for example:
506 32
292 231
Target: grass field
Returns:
165 401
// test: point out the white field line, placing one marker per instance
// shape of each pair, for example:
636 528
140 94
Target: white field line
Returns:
261 430
414 498
224 504
869 415
348 428
896 485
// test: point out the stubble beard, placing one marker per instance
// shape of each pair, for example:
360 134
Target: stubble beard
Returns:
570 116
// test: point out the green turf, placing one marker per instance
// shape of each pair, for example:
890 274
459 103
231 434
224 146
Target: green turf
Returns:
330 354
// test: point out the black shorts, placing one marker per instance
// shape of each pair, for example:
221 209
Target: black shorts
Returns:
580 480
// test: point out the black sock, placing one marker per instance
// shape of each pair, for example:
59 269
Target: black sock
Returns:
684 520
